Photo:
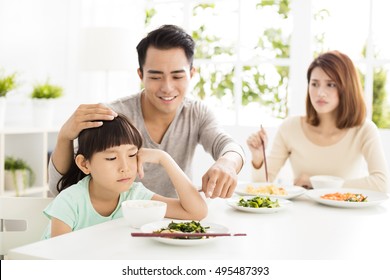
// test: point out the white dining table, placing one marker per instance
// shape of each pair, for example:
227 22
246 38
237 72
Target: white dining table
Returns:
306 230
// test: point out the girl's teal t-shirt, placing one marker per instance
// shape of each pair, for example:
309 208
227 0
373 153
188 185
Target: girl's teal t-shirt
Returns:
73 206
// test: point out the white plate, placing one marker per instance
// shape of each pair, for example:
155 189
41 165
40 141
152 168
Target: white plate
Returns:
282 202
214 228
292 191
373 197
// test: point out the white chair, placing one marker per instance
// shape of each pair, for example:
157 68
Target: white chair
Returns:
22 221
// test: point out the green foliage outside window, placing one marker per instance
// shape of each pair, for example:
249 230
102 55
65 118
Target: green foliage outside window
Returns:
380 109
256 86
149 13
254 81
218 82
214 81
283 6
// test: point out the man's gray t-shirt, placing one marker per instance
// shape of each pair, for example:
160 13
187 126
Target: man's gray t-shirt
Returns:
194 123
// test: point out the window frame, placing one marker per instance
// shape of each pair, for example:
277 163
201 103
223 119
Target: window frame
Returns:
301 54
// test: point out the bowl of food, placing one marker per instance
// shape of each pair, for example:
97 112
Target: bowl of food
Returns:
140 212
325 181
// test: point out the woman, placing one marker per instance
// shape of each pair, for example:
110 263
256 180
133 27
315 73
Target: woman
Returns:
334 138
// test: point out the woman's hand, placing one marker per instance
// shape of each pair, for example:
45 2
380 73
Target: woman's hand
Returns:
304 181
255 143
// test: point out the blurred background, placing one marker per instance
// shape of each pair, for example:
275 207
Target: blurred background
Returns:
251 55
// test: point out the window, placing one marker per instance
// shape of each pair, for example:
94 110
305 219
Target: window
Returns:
253 62
242 70
252 55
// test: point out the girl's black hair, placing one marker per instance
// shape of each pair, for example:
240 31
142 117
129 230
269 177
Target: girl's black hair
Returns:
119 131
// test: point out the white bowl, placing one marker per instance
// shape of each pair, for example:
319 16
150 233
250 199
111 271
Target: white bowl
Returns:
140 212
324 181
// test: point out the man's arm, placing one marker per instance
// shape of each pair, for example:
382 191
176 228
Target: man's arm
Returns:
220 180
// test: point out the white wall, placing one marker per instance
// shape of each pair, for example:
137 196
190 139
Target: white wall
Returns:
40 39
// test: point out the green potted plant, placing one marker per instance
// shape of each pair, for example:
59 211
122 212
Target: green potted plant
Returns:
18 175
7 84
43 95
46 91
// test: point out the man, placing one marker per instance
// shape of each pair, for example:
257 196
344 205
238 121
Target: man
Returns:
167 119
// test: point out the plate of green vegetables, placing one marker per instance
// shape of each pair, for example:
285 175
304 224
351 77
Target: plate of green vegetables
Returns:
259 205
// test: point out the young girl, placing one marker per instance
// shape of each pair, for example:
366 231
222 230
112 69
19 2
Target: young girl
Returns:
334 138
102 176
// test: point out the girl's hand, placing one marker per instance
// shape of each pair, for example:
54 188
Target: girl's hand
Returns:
255 144
148 155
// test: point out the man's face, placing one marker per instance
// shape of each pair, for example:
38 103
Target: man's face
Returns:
166 77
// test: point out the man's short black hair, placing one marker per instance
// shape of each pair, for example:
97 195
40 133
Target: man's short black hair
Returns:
164 38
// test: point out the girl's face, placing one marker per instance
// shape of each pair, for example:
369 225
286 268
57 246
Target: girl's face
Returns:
323 92
114 169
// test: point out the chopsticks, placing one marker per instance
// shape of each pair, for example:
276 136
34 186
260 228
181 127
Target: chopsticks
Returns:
175 235
265 159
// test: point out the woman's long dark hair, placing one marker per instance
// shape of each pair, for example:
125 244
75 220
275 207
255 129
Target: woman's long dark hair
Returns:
339 67
113 133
